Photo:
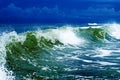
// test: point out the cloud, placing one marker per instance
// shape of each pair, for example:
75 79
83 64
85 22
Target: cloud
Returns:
99 12
12 13
94 12
102 0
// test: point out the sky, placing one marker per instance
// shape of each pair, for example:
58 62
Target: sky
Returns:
59 11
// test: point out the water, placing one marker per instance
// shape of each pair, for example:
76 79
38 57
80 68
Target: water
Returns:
90 52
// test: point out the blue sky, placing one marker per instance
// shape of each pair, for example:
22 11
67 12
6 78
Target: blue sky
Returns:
59 11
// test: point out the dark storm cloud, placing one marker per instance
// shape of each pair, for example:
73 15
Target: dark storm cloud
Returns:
14 11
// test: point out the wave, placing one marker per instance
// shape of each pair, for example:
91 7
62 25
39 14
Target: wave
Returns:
34 50
113 30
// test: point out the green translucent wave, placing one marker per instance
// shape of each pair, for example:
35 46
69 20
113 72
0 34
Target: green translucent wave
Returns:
33 53
93 34
20 55
32 44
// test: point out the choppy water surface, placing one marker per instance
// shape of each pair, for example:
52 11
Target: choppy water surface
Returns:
68 53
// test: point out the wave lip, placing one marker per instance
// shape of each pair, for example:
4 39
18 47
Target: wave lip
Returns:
66 35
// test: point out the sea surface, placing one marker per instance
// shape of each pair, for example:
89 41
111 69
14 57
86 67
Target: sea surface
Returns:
60 52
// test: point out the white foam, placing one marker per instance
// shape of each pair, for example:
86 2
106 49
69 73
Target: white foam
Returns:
75 58
68 37
113 29
6 75
106 63
4 39
65 35
102 52
45 68
2 74
88 61
95 24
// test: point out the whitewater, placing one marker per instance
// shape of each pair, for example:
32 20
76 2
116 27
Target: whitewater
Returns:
66 52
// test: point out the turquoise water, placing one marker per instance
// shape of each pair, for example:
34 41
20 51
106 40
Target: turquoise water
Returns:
67 52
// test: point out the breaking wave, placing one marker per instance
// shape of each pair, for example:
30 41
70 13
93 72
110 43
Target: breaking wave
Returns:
64 51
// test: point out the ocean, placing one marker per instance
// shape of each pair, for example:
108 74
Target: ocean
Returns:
60 52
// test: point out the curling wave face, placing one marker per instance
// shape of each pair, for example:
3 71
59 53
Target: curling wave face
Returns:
62 53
